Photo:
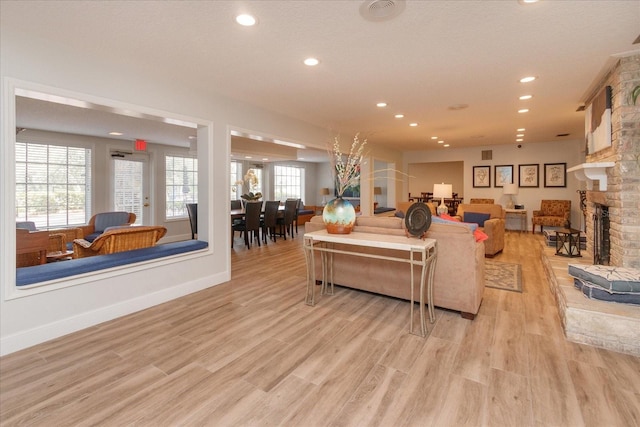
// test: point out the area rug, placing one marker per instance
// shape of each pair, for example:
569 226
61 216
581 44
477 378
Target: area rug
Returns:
502 275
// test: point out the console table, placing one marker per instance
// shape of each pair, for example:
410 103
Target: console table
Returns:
422 253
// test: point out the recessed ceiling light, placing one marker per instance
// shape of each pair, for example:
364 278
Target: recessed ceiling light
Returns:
520 135
399 116
116 133
381 104
192 137
264 159
246 20
311 62
519 140
527 79
524 110
445 145
413 124
248 157
520 130
525 2
434 137
441 142
525 97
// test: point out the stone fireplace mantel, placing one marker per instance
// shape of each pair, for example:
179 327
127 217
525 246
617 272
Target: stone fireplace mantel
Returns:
590 172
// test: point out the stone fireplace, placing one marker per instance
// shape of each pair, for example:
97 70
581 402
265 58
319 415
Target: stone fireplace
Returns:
621 193
611 207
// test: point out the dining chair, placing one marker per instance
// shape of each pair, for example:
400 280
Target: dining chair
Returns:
286 222
236 204
270 221
251 225
192 210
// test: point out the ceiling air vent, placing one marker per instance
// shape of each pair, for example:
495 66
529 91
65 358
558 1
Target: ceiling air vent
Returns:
487 154
381 10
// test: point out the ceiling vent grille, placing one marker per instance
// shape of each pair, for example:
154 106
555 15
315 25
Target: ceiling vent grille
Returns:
487 154
381 10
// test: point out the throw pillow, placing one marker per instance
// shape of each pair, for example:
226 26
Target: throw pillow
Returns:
399 214
480 235
476 217
449 217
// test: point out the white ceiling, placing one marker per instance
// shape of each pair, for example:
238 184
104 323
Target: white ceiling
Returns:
433 55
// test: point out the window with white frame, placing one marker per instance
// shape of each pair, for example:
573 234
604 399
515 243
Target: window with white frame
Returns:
236 180
181 182
53 184
288 182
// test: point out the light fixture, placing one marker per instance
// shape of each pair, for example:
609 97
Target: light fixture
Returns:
524 110
399 116
311 62
246 20
442 191
527 79
520 135
525 97
116 133
413 124
510 190
520 130
381 104
434 137
519 139
445 145
441 142
324 192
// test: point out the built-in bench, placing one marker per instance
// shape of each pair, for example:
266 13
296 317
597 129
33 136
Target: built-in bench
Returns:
57 270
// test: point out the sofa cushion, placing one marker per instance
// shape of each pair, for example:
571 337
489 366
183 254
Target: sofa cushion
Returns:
593 291
610 278
476 217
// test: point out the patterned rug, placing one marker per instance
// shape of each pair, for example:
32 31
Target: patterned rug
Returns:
502 275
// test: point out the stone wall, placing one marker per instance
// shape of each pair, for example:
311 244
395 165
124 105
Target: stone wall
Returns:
623 180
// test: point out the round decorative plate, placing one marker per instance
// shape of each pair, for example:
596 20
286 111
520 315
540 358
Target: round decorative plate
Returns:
417 219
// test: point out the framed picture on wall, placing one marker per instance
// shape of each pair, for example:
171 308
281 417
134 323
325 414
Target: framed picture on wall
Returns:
528 176
555 174
504 175
481 176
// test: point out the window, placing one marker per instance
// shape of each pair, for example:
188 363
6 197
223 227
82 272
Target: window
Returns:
53 184
181 184
288 182
236 180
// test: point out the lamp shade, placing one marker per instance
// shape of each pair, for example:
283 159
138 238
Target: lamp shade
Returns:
442 191
377 190
324 191
510 189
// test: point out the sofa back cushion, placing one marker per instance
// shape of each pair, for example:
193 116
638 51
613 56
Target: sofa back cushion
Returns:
110 219
494 210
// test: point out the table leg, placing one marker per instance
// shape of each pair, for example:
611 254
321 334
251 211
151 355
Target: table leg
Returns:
311 272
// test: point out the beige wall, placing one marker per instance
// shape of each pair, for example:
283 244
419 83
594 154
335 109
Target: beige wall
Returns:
422 176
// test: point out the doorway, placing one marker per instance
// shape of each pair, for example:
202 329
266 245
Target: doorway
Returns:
131 183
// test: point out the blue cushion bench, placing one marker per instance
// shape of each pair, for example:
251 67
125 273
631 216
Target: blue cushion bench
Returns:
56 270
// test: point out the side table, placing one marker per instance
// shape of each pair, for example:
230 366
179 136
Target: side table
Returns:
520 213
568 242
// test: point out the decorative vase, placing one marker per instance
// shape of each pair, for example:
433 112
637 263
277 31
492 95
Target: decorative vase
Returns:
339 216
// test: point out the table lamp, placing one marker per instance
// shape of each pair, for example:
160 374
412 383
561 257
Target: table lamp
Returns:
442 191
510 190
324 192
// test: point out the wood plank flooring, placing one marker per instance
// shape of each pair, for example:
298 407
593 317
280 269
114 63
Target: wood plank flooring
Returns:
250 353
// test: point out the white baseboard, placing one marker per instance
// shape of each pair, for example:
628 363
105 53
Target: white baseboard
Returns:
29 338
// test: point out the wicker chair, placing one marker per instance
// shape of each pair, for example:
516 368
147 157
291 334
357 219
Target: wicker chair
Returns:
553 213
119 239
31 247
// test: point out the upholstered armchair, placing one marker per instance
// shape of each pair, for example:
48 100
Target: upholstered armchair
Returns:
490 218
101 221
119 239
481 201
552 213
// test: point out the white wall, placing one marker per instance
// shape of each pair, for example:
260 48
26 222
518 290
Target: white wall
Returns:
24 59
569 152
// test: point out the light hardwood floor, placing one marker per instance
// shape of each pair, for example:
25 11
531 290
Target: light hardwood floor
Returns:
250 353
